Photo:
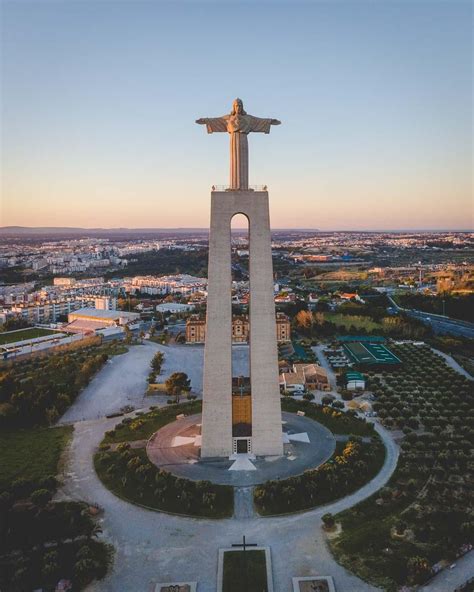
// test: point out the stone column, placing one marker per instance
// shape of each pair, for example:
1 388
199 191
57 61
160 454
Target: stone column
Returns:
264 382
217 379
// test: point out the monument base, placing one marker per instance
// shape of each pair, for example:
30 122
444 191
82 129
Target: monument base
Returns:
176 448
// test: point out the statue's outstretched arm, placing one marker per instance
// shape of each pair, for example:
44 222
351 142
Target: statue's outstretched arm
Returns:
260 124
213 124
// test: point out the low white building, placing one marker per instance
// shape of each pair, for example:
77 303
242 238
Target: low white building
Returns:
174 307
354 380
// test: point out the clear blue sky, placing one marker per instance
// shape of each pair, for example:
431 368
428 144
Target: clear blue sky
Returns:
100 98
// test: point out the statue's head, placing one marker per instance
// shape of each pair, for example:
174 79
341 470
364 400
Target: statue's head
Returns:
238 107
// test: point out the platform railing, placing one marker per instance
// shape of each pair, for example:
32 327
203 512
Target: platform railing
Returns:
249 188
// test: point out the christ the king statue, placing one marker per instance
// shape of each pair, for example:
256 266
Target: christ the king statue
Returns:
238 124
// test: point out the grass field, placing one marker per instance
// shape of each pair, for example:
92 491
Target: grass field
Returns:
247 573
357 321
31 454
22 334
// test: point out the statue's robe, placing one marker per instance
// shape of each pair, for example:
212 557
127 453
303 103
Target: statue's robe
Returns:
238 126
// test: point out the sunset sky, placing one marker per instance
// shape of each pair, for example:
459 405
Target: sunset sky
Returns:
99 101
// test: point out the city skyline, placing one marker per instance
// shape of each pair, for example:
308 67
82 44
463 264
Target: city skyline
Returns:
99 103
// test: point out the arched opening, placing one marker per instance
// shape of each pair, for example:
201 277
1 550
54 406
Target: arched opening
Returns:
241 395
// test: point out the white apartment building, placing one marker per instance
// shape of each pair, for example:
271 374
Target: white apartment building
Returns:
183 283
50 311
105 303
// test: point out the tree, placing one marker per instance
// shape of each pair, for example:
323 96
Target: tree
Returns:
328 520
177 383
157 362
418 569
41 497
327 399
304 320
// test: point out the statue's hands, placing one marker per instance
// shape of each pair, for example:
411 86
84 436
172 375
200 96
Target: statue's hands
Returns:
201 121
276 122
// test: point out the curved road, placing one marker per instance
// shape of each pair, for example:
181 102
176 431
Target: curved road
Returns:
152 546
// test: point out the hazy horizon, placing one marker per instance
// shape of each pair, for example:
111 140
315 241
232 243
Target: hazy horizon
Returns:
206 228
100 98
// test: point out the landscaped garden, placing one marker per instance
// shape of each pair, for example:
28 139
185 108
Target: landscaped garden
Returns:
125 469
425 513
354 463
336 421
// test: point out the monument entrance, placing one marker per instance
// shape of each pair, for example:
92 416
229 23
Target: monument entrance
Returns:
226 428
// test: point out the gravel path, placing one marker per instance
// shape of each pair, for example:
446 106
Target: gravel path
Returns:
123 379
121 382
190 359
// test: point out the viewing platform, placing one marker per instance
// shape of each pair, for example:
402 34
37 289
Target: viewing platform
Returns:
249 188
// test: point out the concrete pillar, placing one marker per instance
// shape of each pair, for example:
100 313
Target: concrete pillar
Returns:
217 379
264 383
217 387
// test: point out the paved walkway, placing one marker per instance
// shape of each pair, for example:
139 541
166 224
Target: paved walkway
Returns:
449 579
243 503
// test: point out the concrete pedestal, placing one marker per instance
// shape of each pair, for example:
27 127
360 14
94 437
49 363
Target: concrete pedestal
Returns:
217 388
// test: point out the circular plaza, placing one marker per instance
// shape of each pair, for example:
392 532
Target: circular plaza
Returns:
176 448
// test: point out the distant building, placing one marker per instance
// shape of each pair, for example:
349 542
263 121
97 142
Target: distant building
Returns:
285 298
196 329
352 296
170 284
354 380
283 327
108 317
174 307
105 303
309 376
64 281
89 320
49 311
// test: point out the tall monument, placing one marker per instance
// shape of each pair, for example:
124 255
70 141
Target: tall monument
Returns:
249 422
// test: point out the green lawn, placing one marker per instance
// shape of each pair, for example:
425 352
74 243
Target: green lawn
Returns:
357 321
31 454
22 334
247 573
